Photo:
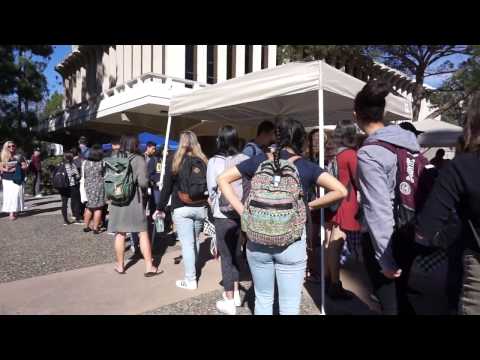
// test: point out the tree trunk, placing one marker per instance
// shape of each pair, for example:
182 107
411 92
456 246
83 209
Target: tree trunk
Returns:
418 94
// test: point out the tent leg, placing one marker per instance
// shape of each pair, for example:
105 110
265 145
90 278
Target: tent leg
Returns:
165 150
321 148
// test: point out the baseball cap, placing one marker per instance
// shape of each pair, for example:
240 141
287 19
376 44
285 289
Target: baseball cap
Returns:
410 127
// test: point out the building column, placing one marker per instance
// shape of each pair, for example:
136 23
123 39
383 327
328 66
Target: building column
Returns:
175 62
220 71
272 56
256 58
157 59
127 63
200 61
105 68
119 58
239 60
137 61
146 59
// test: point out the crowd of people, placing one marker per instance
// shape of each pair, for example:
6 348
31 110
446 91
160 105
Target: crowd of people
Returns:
385 205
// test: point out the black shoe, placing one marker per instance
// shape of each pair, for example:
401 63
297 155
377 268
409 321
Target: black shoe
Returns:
87 229
337 292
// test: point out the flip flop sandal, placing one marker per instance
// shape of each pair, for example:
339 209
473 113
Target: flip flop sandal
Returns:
120 272
151 273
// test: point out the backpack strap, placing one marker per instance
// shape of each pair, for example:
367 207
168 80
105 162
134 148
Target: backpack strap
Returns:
474 232
253 147
385 145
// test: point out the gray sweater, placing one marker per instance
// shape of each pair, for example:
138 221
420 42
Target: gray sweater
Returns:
131 218
377 171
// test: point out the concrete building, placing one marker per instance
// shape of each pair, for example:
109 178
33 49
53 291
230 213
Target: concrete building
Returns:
113 89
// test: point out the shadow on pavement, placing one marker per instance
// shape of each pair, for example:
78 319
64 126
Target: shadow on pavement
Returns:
32 212
46 202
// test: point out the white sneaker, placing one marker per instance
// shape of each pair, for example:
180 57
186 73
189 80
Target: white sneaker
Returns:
38 196
187 284
227 307
236 298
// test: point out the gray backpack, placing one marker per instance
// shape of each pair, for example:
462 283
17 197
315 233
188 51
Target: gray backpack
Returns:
241 187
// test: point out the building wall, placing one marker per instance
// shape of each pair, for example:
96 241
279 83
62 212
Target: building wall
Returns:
91 70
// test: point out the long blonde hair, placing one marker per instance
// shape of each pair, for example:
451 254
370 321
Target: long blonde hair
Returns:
5 157
188 144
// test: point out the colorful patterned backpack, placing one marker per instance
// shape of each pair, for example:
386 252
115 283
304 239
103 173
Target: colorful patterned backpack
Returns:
275 212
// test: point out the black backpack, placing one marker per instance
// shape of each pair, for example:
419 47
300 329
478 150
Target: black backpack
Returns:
60 178
192 180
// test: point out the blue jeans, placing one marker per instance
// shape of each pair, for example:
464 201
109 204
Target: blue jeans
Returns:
288 266
189 222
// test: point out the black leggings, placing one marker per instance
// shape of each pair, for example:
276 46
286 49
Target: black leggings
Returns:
72 192
228 243
392 294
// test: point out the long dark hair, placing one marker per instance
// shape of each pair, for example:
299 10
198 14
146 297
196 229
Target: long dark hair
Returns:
345 134
228 141
96 153
289 132
370 102
313 157
129 144
471 131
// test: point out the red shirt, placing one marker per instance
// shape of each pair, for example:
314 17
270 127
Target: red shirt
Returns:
348 209
36 163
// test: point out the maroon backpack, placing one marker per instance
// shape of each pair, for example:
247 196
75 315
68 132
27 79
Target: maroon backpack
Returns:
415 178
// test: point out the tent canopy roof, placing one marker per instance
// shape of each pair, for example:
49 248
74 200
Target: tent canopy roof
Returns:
438 133
287 89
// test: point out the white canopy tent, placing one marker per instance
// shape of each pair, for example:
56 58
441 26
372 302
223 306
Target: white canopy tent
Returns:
314 93
438 133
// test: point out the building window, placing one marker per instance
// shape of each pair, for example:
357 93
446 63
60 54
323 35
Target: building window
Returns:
210 64
189 63
230 61
264 56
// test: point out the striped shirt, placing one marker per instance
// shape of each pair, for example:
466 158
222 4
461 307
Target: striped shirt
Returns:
72 173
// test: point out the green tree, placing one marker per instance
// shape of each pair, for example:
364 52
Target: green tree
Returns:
419 62
53 105
453 96
22 85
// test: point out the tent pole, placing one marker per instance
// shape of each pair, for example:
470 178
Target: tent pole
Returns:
165 150
321 157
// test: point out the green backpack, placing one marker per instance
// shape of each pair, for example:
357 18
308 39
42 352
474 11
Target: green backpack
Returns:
118 180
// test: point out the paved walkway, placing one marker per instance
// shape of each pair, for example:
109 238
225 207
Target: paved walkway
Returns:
98 289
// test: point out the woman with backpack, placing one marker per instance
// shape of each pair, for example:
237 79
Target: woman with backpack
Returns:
274 215
70 177
458 187
93 173
185 180
227 221
129 216
341 217
12 169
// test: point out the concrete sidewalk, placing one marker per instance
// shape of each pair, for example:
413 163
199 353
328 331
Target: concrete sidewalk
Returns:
99 290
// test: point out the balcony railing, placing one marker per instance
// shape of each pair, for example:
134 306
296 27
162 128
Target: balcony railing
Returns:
74 114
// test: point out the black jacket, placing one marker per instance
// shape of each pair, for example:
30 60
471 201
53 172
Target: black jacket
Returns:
171 187
457 189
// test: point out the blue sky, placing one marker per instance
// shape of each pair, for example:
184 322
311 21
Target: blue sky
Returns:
54 78
61 51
